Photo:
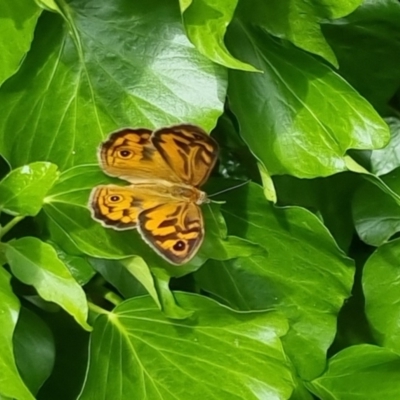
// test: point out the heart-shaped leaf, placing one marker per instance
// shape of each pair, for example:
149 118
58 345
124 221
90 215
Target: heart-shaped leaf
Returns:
217 353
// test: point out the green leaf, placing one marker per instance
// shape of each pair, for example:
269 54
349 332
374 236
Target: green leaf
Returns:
387 159
375 225
50 5
381 284
87 75
36 263
22 191
218 354
375 28
302 274
360 372
11 384
295 111
33 341
206 22
18 21
298 21
79 267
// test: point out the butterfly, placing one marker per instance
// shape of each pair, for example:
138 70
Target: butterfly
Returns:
165 169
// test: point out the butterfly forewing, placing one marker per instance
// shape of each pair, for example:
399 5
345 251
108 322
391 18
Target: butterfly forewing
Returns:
188 151
130 154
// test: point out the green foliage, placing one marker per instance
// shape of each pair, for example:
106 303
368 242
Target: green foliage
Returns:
303 99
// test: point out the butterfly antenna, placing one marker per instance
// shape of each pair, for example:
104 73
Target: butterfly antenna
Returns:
231 188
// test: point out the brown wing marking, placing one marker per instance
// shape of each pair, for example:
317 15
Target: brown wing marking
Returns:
188 151
174 230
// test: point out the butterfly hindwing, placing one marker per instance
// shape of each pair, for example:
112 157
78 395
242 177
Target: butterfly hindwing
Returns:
188 151
175 230
118 207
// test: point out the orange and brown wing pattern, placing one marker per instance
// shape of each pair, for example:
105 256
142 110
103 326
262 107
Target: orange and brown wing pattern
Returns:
188 151
130 154
119 207
175 230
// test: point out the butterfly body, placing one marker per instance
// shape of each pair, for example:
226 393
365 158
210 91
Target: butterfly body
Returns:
165 169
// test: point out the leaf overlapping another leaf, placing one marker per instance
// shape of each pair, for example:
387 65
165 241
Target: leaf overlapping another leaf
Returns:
141 72
302 273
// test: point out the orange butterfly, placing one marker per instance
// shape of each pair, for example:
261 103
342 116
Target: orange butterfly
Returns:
165 169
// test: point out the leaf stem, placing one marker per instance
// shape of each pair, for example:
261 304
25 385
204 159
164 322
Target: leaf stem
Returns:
96 309
6 228
113 298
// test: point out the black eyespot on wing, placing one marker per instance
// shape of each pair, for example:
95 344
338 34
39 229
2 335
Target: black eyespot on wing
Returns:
114 198
179 246
125 154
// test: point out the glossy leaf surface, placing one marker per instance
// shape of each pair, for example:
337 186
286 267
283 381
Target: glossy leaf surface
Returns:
149 77
36 263
23 190
302 273
360 372
218 353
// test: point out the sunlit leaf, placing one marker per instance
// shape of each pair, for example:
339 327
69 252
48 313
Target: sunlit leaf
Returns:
360 372
36 263
206 22
304 114
87 75
23 190
218 353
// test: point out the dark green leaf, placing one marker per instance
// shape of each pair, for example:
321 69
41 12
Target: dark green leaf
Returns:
33 341
329 198
360 372
131 276
23 190
123 63
18 20
376 214
299 117
302 274
367 45
11 384
36 263
218 353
